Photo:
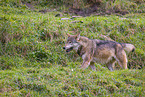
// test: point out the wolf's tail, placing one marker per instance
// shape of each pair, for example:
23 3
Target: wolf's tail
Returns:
128 47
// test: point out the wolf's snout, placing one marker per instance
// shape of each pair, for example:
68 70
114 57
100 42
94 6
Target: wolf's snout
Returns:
64 47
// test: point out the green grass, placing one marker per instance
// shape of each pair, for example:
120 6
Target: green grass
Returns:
66 81
32 61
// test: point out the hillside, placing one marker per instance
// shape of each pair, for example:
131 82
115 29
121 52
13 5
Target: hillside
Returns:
32 61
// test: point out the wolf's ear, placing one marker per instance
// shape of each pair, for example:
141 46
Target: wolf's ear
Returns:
78 37
68 35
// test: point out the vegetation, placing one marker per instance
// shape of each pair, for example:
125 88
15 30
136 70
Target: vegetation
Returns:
32 61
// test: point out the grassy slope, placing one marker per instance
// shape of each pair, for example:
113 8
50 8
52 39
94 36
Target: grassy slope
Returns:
33 62
64 81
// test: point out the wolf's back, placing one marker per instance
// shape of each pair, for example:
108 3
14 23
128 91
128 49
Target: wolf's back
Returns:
128 47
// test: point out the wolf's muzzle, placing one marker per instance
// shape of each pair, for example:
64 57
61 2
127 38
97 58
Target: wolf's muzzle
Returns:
68 50
64 48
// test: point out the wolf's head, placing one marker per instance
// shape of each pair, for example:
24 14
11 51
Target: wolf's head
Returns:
72 42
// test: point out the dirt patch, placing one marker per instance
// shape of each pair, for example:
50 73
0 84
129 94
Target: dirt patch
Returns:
93 9
96 10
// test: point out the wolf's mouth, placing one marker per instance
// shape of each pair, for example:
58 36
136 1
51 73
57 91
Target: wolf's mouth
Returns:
68 50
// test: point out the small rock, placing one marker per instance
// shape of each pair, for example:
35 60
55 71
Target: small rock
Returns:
77 22
58 15
65 19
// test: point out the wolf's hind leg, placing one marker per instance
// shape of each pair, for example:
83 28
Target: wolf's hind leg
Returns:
92 65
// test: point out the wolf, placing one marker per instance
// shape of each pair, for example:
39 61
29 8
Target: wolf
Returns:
98 51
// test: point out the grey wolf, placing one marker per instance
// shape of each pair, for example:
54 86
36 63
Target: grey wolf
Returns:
98 51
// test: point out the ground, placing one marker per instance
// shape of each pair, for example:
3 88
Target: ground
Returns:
33 62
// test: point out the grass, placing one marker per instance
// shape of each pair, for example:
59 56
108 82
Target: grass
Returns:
32 61
51 82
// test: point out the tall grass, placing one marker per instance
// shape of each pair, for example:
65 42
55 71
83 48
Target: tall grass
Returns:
32 61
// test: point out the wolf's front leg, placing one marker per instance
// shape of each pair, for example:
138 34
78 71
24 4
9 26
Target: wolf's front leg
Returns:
85 65
92 65
86 62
